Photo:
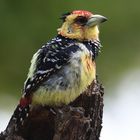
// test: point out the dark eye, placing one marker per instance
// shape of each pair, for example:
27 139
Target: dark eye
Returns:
81 20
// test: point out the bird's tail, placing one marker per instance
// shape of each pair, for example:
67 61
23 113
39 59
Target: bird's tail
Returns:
18 118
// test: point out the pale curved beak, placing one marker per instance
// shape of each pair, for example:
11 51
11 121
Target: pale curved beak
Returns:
95 20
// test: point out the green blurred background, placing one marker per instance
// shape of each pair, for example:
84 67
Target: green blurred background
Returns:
25 25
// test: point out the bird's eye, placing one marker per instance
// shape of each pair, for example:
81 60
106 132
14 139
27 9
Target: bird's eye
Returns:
81 20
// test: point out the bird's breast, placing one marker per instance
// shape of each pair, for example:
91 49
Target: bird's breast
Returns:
88 71
68 83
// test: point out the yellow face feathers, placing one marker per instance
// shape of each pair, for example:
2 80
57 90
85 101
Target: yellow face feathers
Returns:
73 30
81 26
70 29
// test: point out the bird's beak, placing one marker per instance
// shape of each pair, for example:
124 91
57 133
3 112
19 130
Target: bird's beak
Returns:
95 20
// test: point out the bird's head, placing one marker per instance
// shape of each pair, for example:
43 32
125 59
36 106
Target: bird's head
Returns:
81 25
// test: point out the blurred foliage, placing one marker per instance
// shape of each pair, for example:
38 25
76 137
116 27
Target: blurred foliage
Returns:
26 25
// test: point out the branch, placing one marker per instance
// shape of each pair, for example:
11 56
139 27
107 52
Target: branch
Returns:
80 120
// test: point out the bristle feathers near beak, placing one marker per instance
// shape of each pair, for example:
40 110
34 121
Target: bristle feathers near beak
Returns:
63 17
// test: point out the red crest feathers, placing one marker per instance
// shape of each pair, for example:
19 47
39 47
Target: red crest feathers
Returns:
82 13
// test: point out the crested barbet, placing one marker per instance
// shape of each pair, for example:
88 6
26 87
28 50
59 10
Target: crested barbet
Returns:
64 67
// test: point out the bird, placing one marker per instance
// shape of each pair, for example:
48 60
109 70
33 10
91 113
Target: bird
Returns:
64 67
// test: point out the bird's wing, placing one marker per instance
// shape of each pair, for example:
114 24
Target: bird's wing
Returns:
47 61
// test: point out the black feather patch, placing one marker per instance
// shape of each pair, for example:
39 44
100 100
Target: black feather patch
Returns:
63 17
